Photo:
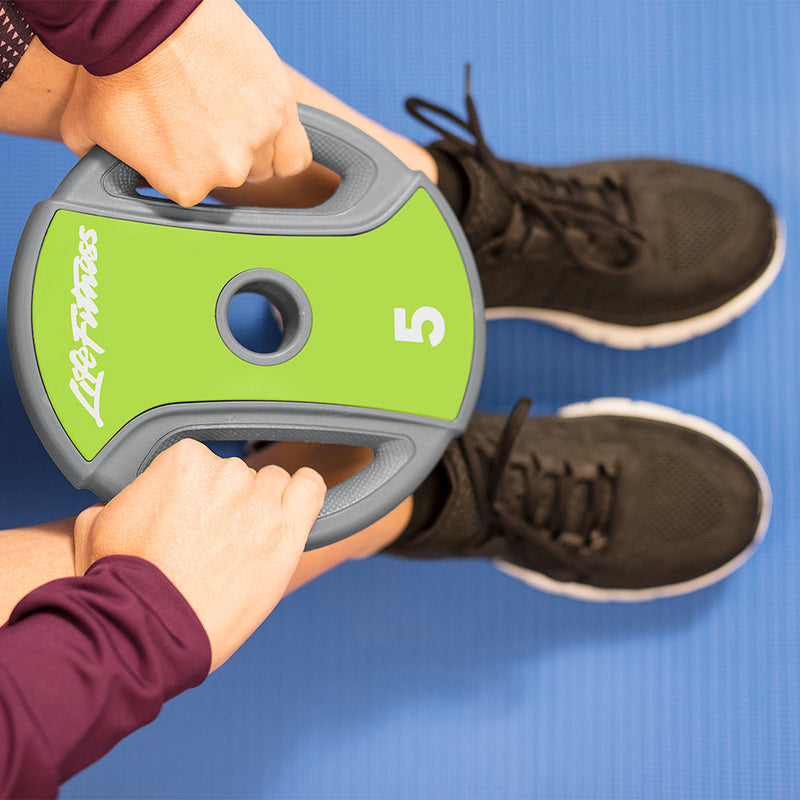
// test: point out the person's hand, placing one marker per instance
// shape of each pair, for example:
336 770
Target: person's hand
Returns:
228 537
211 106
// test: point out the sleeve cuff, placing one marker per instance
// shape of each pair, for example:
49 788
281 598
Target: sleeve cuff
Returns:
104 36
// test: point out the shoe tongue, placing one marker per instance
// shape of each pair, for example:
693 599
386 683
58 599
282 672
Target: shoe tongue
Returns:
486 207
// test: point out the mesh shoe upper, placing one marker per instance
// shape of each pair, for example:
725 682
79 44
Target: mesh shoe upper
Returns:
607 501
631 242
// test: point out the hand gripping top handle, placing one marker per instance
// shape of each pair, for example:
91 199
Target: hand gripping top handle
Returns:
120 346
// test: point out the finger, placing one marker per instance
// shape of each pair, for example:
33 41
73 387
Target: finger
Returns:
235 469
262 168
271 481
292 149
302 499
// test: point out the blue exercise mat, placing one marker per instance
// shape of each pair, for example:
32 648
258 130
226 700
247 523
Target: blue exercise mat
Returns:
395 679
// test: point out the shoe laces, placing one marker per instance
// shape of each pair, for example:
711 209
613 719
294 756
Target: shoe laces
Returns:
575 211
550 496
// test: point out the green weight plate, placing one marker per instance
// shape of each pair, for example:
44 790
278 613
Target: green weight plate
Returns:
121 346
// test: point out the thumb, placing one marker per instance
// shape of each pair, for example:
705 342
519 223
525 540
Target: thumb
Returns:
302 501
292 152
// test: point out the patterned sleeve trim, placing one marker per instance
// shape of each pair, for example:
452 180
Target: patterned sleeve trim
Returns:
15 36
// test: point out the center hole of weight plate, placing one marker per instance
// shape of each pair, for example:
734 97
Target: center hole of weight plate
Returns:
255 322
263 316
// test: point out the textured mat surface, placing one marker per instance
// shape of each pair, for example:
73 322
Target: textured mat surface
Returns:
399 680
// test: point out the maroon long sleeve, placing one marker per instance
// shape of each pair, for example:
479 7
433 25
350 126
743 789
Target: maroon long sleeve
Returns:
105 36
86 661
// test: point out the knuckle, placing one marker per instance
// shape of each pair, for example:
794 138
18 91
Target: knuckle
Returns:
179 182
301 165
71 130
186 196
236 170
271 121
234 472
274 473
235 466
187 447
286 105
184 452
66 131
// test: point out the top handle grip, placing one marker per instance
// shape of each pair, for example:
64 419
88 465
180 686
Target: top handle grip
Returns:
369 175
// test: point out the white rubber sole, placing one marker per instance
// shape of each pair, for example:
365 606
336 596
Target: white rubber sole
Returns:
622 407
628 337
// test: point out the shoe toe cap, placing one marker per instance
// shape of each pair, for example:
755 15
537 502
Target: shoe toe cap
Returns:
691 507
711 234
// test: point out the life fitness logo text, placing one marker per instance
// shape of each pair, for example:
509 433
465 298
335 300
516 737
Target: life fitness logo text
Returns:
87 379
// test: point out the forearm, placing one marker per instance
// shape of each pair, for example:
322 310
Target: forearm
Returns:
117 642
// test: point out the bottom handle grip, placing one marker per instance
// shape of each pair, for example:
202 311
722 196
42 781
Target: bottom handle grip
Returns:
405 451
